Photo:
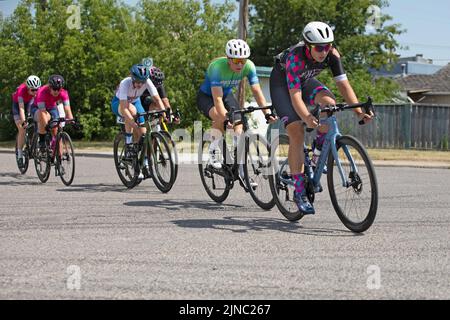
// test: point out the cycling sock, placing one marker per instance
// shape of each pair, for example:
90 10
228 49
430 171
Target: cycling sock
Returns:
128 138
299 182
19 153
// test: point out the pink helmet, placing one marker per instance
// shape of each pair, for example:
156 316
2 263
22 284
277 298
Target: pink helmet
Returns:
157 76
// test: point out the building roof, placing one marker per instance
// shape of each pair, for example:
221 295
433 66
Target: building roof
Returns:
438 82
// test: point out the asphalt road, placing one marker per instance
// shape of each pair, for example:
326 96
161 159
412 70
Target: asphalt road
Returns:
98 240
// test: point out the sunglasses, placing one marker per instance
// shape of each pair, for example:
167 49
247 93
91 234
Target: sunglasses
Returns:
56 90
321 48
33 90
139 82
238 60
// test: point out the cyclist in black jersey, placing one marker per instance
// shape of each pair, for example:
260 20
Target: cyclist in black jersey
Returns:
293 86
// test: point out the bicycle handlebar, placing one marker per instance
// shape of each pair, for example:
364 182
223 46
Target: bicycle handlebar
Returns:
250 109
55 122
330 109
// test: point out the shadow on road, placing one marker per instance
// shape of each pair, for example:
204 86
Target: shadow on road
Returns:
20 179
95 187
176 205
243 224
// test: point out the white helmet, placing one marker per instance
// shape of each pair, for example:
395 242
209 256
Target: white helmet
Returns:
33 82
237 48
318 33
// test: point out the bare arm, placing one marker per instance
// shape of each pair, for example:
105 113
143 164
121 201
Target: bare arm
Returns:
217 94
349 95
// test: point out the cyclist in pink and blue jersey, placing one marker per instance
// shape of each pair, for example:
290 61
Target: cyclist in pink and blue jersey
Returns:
293 86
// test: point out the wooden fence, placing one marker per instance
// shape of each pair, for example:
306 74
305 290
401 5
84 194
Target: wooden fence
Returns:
401 126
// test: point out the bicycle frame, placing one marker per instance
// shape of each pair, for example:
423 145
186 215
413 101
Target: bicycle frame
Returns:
329 145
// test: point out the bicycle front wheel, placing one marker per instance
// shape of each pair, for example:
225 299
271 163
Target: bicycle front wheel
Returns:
42 161
257 171
215 181
26 156
281 181
127 169
65 157
161 162
173 150
356 200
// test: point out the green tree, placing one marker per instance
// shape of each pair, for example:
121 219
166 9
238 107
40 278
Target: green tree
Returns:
183 37
277 25
94 56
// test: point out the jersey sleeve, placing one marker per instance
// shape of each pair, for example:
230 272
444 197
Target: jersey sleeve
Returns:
294 68
251 73
65 98
214 75
151 88
336 66
122 92
20 94
40 99
162 91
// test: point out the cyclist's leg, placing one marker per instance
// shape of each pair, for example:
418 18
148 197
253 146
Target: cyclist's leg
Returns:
313 93
140 109
20 130
294 127
42 117
206 106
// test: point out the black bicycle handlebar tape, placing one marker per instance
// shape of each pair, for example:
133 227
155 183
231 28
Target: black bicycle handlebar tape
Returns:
316 114
368 107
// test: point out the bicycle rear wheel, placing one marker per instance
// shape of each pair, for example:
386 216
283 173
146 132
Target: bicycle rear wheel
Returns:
215 181
42 161
256 169
26 156
281 182
126 169
356 203
162 164
65 157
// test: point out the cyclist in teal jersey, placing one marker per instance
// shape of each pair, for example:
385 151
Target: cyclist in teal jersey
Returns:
215 98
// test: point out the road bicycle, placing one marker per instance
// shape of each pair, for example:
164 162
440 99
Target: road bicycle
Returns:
351 177
28 148
254 156
151 156
58 151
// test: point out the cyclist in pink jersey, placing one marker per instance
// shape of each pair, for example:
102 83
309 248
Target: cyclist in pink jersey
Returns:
22 100
45 106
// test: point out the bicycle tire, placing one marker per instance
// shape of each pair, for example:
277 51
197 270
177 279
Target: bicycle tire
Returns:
26 155
161 161
173 147
358 184
65 162
224 188
42 159
129 178
256 168
283 194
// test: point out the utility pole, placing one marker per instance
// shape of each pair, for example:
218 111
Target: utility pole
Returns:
242 34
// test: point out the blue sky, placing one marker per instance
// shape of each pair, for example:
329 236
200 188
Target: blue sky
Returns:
427 24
